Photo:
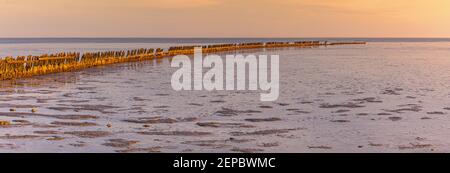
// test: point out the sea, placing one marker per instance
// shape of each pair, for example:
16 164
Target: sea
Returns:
389 95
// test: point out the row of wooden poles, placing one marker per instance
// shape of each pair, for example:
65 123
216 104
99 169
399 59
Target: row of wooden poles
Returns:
27 66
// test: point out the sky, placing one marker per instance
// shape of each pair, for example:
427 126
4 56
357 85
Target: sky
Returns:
224 18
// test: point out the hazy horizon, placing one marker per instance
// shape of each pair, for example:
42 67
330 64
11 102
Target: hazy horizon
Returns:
225 18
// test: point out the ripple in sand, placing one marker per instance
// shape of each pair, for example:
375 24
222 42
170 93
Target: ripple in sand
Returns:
77 108
47 132
216 143
224 125
343 105
226 112
65 117
20 137
175 133
78 124
320 147
139 99
247 150
141 150
395 118
268 145
409 108
341 111
414 146
266 107
195 104
436 113
368 100
255 120
89 134
159 120
9 146
340 121
394 91
264 132
119 143
55 138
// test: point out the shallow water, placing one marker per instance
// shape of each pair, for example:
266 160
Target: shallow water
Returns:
379 97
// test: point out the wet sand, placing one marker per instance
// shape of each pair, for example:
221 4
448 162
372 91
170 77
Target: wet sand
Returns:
381 97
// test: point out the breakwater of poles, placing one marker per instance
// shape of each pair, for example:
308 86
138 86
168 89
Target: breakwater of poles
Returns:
28 66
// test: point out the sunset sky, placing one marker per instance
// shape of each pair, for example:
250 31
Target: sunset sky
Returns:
225 18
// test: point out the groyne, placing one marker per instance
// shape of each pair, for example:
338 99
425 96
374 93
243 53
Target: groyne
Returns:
28 66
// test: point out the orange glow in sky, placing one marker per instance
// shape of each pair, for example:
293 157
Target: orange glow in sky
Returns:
225 18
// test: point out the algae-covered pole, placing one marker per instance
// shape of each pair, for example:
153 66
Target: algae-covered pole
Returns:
28 66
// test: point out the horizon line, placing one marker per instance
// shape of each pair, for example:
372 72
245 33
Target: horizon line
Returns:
76 37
